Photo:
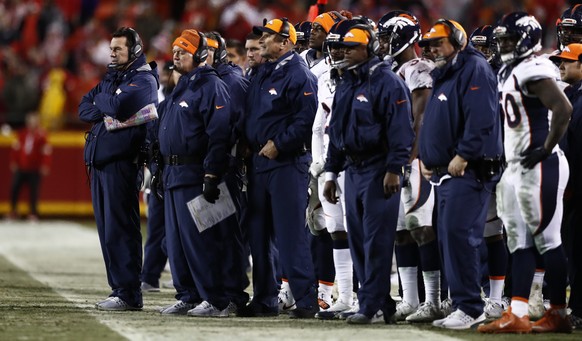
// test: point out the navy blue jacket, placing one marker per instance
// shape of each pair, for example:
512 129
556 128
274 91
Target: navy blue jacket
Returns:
572 141
120 94
371 120
281 105
237 89
195 122
462 114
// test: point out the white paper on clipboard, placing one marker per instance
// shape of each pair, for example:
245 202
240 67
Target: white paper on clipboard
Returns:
205 214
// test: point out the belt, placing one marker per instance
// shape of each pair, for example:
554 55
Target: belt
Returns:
359 157
482 167
440 170
177 160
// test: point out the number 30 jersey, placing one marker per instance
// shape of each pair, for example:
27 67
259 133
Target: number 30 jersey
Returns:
527 120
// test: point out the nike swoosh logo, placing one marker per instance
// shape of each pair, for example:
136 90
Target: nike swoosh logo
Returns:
219 107
401 101
503 325
474 88
307 93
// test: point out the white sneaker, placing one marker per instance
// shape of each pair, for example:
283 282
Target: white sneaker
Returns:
403 309
115 304
458 320
363 319
352 311
426 312
493 309
178 308
146 287
536 309
205 309
447 306
286 301
336 308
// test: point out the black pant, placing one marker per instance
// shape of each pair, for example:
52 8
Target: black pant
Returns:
33 180
572 238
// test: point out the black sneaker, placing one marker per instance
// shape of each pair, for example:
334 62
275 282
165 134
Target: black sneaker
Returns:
257 310
304 313
575 321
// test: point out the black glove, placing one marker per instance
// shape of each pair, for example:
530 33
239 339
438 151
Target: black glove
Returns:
210 189
531 157
157 185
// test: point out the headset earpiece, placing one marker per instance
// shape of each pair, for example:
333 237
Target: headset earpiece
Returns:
457 37
373 45
285 27
201 50
136 48
221 53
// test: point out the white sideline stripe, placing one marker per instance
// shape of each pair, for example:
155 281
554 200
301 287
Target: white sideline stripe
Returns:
67 257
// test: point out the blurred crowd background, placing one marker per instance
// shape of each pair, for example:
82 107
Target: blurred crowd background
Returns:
53 52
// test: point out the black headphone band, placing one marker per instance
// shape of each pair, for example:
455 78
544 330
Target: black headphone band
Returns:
373 45
284 27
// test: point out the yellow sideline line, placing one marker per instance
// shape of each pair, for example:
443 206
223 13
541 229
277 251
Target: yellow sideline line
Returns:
60 208
65 139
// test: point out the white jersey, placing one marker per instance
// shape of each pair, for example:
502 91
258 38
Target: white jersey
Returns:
416 73
319 139
417 198
527 120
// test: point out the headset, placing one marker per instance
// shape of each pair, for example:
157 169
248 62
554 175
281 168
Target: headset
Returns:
285 27
457 37
373 46
220 53
201 50
136 48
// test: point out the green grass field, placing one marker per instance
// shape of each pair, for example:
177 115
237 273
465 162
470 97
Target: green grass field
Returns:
52 273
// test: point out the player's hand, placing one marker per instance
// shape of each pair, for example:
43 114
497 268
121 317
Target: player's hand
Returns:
210 189
269 150
427 173
531 157
330 191
457 166
391 184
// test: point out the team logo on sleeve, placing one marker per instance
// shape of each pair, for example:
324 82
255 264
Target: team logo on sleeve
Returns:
273 92
442 97
362 98
183 104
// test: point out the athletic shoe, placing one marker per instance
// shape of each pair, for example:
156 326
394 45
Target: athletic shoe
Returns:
536 307
347 313
333 312
304 313
115 304
256 310
286 303
493 309
232 308
552 322
178 308
359 318
575 321
447 307
458 320
403 309
508 323
146 287
206 309
426 312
